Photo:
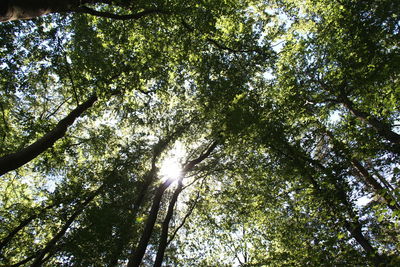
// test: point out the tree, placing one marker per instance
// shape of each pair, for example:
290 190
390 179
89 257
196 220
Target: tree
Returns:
282 115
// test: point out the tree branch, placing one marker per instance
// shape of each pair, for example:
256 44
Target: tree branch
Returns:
190 211
102 14
4 242
17 159
189 166
218 44
52 243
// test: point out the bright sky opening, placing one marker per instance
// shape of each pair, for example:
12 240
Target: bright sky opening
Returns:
171 167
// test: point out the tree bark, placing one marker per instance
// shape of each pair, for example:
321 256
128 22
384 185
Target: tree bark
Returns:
50 245
383 129
10 236
165 226
28 9
148 180
137 255
369 180
136 258
15 160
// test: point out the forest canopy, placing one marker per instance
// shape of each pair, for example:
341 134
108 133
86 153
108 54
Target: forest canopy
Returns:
199 133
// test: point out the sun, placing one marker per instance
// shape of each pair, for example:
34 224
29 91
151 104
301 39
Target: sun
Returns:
171 168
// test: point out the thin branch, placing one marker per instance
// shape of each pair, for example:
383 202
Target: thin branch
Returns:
57 108
216 43
233 249
69 73
27 259
146 92
5 241
90 11
72 81
4 120
46 100
195 180
190 211
224 47
34 255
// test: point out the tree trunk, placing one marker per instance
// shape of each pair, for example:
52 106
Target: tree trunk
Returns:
308 166
15 160
28 9
148 180
127 232
383 129
21 225
369 180
356 233
136 258
137 255
165 226
354 227
50 245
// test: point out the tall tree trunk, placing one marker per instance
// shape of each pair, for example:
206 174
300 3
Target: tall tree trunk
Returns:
383 129
21 225
136 258
353 226
15 160
137 255
128 230
51 244
308 166
148 180
165 226
369 180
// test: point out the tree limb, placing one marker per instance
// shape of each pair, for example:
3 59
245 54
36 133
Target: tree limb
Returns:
187 215
17 159
21 225
52 243
102 14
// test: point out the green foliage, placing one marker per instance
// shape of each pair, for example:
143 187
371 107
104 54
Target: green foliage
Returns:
294 92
